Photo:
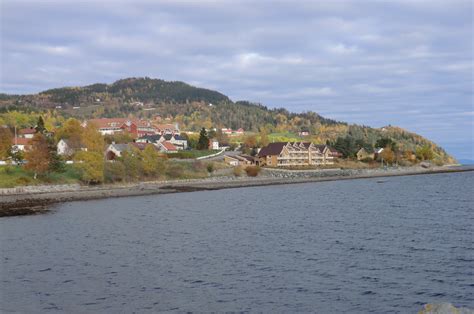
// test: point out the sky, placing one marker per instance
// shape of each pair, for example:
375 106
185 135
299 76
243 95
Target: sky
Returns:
373 62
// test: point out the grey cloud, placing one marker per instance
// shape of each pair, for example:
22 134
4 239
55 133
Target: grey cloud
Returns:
406 63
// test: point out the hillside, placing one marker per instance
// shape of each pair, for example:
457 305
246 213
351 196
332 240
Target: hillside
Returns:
194 108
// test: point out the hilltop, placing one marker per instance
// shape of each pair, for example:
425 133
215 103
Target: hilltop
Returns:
194 107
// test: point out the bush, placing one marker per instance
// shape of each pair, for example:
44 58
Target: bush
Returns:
252 171
114 172
238 171
210 167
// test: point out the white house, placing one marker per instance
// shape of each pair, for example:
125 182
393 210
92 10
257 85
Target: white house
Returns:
213 144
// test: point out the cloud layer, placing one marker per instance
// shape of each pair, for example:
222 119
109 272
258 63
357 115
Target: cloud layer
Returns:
406 63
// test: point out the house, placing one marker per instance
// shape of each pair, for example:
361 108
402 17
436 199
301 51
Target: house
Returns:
26 133
21 144
167 147
226 131
291 154
239 160
66 148
213 144
239 131
363 154
114 151
152 139
110 126
303 132
179 141
167 128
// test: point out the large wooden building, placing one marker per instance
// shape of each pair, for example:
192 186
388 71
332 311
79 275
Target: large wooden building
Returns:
296 154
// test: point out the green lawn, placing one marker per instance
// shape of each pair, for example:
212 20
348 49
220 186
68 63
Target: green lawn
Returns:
11 176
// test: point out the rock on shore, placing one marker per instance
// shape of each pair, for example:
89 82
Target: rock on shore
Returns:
444 308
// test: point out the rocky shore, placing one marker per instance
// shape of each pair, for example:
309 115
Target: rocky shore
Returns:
38 199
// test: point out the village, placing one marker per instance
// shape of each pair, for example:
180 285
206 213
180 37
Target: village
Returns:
109 150
126 134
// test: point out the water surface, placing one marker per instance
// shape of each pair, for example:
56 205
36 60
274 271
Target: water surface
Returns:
374 245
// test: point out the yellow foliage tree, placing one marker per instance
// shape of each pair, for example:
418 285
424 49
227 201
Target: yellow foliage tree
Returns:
90 165
38 157
92 139
6 138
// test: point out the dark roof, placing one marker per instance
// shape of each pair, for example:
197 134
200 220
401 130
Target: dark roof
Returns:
272 149
151 138
179 137
168 136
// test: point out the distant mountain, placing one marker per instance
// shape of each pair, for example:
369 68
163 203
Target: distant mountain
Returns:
195 107
466 161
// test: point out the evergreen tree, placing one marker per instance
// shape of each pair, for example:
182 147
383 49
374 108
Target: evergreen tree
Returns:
203 142
40 125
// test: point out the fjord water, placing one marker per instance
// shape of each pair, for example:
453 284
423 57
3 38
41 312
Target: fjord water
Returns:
383 245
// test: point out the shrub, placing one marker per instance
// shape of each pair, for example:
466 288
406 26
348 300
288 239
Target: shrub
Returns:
114 172
252 171
210 167
238 171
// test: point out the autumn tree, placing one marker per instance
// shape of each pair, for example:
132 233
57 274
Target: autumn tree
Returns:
6 139
264 141
90 165
72 131
424 153
92 139
203 142
38 157
387 155
150 159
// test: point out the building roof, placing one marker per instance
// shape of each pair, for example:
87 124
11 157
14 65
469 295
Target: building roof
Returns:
168 146
151 138
21 141
168 136
27 131
142 146
120 147
110 122
272 149
179 137
166 126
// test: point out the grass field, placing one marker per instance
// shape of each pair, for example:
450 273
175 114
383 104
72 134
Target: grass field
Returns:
11 176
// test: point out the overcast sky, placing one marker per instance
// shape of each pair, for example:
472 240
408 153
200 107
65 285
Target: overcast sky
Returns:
405 63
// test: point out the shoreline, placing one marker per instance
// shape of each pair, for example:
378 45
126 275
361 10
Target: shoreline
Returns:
27 203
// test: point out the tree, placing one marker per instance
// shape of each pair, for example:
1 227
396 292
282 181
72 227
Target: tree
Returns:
40 125
38 157
72 131
150 159
203 142
6 138
250 141
264 141
346 146
92 139
90 165
424 153
386 142
387 155
133 163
